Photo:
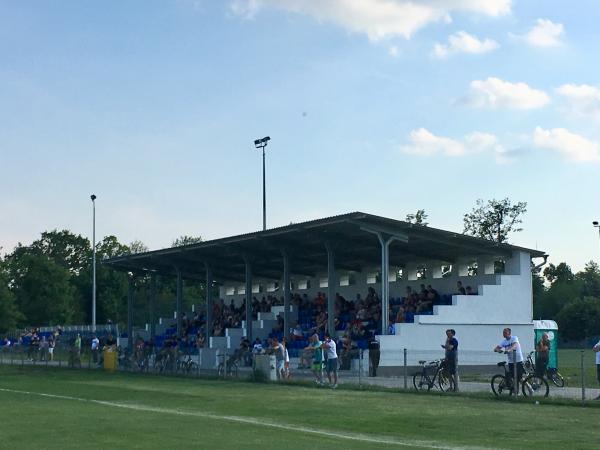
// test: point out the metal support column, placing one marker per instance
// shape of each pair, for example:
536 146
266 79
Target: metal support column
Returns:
286 294
130 293
209 304
385 281
331 284
248 299
152 306
179 302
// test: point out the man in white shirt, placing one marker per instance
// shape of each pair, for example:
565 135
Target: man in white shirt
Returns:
95 347
597 352
510 345
331 363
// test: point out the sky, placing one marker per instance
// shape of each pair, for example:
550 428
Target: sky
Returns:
380 106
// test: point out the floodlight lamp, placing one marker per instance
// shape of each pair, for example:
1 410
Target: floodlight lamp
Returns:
595 223
257 142
93 197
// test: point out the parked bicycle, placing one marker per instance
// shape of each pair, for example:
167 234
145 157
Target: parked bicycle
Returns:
432 374
532 385
186 364
228 367
551 373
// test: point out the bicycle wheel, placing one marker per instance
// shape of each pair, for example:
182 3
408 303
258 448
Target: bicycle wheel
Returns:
233 370
557 379
221 370
420 382
501 386
534 386
192 367
445 381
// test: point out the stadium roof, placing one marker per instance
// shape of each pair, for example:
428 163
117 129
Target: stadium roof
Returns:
353 237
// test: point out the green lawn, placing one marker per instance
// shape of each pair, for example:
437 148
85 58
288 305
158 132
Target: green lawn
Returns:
128 411
569 365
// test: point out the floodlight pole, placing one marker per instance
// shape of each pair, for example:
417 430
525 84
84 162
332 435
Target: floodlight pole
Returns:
262 143
597 225
264 191
93 197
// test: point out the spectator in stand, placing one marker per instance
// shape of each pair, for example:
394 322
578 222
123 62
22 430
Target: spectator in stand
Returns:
200 340
257 347
401 315
469 291
332 360
460 290
297 333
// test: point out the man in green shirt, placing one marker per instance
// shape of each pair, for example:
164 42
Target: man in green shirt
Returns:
317 359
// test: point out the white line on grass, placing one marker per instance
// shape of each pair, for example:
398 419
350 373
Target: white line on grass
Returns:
249 421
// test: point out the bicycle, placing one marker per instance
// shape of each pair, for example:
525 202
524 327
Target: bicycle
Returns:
531 385
228 368
423 380
551 373
187 364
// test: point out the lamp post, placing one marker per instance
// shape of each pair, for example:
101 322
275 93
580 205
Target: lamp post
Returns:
597 225
93 197
262 143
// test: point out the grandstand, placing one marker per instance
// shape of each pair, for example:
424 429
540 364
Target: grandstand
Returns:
299 274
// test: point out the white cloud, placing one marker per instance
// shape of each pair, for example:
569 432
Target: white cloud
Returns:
495 93
393 51
463 42
583 99
378 19
571 145
425 143
545 33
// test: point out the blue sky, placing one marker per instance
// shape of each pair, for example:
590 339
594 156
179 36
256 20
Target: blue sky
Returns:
372 105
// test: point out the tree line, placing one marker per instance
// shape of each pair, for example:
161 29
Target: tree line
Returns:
50 283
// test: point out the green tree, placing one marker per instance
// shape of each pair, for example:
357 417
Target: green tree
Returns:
559 274
137 246
186 240
10 316
494 220
418 218
590 279
42 290
580 318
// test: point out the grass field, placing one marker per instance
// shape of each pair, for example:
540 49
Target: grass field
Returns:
63 409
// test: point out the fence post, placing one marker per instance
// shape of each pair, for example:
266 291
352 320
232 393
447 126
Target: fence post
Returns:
515 372
360 360
582 378
405 371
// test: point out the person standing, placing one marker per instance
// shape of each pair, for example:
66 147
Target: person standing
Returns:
597 352
451 357
77 350
279 351
51 345
317 357
510 345
95 347
542 355
332 360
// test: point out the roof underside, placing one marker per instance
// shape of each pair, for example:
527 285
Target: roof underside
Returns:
352 236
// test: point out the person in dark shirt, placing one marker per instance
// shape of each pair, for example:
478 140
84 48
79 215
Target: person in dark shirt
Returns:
451 353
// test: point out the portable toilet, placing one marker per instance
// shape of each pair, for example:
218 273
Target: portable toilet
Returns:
551 328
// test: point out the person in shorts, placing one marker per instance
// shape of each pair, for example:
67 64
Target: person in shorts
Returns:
512 348
279 352
331 365
450 356
314 347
